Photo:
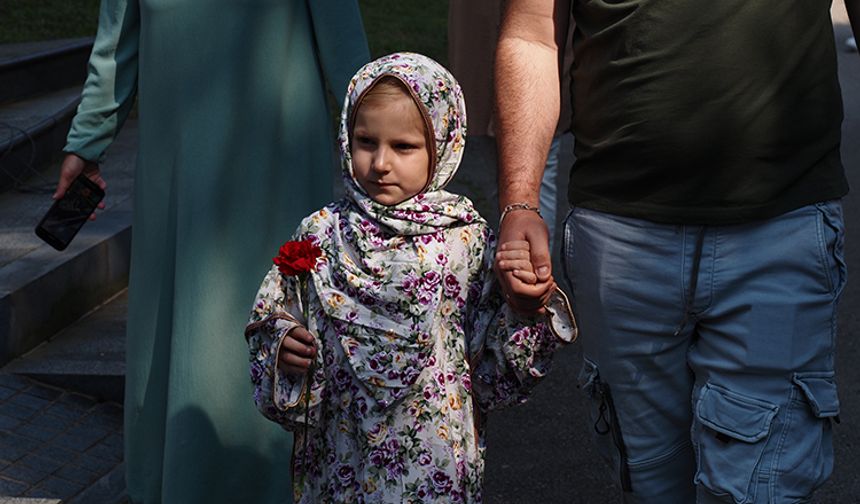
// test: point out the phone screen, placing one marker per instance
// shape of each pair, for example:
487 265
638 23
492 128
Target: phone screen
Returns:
66 216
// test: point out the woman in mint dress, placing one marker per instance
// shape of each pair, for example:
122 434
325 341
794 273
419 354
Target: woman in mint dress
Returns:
236 145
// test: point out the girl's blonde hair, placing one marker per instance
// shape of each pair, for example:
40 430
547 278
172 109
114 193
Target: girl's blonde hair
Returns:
386 88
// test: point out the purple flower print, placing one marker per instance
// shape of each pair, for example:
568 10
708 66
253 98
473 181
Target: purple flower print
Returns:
341 378
256 372
367 226
360 405
422 492
346 475
409 282
431 279
425 298
466 380
441 259
452 286
441 482
424 459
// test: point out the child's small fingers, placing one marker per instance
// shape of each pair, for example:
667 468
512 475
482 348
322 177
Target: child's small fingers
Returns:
525 276
291 359
302 334
548 294
503 255
296 347
515 245
516 264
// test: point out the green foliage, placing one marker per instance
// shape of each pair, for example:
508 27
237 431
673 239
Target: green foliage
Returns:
391 25
35 20
406 25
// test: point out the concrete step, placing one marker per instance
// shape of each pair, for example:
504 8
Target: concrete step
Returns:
35 68
42 291
32 133
88 356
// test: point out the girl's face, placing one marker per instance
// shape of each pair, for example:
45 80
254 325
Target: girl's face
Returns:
390 156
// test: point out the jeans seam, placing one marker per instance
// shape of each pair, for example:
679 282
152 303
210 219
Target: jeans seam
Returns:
786 427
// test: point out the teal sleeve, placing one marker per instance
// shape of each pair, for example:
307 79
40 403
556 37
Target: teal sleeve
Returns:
340 39
111 84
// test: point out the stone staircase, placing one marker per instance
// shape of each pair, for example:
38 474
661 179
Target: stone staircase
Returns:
62 314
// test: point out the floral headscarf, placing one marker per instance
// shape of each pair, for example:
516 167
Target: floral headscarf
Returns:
381 271
441 103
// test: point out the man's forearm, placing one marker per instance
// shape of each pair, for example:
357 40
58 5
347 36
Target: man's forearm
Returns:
527 103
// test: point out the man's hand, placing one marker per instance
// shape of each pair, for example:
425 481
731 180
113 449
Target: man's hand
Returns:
297 351
518 229
70 169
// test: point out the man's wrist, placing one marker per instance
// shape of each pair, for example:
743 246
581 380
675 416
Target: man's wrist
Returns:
513 207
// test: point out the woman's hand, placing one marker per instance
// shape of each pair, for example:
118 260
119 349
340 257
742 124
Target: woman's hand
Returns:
297 351
70 169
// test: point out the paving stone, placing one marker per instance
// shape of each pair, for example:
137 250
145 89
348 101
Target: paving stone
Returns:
12 488
13 382
64 410
99 465
37 432
8 423
102 451
40 495
57 453
13 447
41 463
44 392
77 401
114 441
77 474
30 401
6 392
79 439
108 415
52 421
17 411
60 487
25 474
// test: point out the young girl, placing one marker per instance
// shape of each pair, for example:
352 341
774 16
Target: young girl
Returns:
408 340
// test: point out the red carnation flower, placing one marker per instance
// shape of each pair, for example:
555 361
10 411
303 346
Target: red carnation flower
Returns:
297 257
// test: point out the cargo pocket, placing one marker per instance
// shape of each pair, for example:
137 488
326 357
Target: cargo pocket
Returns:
806 455
730 433
831 240
604 420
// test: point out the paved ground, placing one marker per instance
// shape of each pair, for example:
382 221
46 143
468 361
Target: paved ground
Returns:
55 444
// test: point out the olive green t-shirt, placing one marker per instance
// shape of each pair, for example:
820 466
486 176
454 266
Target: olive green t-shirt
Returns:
705 111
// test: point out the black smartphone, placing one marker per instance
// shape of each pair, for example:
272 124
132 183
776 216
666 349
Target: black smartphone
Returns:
66 216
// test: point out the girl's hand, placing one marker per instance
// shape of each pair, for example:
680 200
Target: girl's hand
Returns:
297 351
515 257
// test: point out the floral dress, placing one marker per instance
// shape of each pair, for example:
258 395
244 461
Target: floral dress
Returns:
414 340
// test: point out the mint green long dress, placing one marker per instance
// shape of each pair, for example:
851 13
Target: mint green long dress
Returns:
235 146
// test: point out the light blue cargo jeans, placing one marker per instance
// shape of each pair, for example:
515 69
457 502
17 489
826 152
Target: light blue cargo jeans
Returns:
709 352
